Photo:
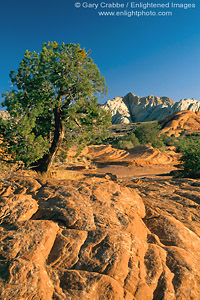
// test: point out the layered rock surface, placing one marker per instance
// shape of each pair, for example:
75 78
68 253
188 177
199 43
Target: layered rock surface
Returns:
138 156
186 122
132 108
98 239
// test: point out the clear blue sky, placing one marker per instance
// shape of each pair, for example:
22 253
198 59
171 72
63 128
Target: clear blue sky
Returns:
146 55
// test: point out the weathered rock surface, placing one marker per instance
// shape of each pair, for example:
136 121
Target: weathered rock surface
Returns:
119 110
187 104
99 239
138 156
132 108
173 217
182 122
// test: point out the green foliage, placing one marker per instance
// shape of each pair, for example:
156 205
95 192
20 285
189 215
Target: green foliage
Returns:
87 125
148 133
191 161
53 96
183 143
134 140
20 141
157 143
168 140
126 143
189 146
3 127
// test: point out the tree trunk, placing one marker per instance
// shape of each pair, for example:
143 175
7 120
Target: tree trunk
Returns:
44 164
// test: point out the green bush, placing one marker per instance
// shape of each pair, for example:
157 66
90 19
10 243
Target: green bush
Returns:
168 140
158 143
183 143
191 161
126 143
149 134
134 140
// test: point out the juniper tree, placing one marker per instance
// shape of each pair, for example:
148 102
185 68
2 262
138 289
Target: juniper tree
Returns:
53 98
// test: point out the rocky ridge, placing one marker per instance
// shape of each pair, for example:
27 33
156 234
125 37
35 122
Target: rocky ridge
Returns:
99 239
184 122
132 108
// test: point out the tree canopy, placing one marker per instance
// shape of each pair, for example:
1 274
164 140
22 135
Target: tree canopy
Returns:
53 99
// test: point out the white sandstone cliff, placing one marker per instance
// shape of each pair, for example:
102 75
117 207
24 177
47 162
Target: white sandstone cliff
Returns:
132 108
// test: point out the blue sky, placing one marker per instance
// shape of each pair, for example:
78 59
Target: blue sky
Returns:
146 55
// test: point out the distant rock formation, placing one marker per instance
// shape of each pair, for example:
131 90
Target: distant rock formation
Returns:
132 108
187 104
119 110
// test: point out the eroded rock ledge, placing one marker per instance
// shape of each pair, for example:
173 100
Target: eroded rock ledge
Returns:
98 239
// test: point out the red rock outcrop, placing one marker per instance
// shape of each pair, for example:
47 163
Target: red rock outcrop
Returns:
138 156
99 239
184 121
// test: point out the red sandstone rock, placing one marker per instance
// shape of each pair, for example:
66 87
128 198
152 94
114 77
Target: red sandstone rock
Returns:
138 156
99 239
183 121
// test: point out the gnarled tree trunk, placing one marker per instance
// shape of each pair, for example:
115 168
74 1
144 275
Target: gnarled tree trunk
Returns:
44 164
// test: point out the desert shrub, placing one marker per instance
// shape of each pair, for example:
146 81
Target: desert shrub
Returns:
183 143
168 140
134 140
149 134
124 144
158 143
128 142
146 134
191 161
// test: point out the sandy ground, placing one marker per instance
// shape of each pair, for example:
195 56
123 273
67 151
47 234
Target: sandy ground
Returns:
135 171
122 172
137 162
